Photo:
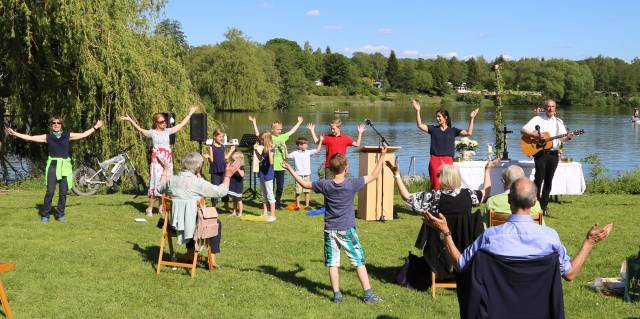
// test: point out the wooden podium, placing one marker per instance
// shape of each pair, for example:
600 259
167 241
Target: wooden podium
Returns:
375 200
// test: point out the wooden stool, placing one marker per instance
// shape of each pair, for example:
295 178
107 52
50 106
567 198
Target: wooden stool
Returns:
3 295
167 235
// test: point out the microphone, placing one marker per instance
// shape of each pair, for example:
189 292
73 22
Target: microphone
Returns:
538 129
367 121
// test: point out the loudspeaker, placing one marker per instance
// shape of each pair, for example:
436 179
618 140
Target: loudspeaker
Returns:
198 127
170 118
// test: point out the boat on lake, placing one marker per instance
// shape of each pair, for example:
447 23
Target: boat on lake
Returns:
340 112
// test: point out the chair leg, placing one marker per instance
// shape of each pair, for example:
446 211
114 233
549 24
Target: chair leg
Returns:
160 253
210 257
433 285
5 302
194 264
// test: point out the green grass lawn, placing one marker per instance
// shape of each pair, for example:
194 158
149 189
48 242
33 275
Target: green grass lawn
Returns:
102 264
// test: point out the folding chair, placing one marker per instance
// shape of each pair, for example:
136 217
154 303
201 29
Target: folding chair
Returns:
496 219
3 295
168 233
435 284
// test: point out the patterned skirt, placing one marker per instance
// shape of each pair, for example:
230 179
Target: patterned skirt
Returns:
156 169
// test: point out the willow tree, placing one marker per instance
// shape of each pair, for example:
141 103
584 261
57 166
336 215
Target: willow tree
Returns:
89 60
237 74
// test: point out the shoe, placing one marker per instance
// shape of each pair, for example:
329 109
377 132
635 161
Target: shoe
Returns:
307 208
149 212
337 298
372 299
44 220
270 219
61 219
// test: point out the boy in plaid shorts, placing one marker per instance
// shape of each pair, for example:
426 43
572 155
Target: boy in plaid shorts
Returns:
340 221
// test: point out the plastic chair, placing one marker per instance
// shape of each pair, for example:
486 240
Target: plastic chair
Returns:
3 295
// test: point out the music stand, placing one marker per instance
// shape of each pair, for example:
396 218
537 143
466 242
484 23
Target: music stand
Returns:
248 141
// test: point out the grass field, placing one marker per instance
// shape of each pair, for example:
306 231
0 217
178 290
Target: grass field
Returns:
102 264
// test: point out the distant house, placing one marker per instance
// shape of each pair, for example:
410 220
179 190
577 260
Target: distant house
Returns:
319 82
462 88
607 93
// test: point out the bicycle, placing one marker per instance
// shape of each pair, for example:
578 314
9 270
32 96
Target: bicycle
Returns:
87 181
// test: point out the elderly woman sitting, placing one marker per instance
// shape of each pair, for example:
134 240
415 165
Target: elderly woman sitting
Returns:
455 203
185 190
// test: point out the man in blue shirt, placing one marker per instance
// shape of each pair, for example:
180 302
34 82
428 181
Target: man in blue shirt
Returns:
520 237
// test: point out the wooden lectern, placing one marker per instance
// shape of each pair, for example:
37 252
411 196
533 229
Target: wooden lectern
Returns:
375 200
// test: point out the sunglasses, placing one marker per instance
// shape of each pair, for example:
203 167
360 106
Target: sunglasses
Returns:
56 123
159 122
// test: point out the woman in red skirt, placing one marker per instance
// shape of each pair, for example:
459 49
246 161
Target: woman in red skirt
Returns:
443 138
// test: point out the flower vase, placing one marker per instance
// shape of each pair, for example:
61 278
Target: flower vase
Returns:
466 155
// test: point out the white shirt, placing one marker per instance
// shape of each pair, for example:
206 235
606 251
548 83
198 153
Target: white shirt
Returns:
554 126
302 161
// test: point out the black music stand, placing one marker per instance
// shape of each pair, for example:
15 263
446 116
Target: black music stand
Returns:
248 141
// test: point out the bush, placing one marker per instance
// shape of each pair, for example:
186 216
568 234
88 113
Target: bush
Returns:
469 98
625 183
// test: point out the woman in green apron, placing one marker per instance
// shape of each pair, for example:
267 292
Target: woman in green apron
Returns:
58 164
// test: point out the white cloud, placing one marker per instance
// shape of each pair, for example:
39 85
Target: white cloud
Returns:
385 31
333 27
370 48
410 53
313 13
264 5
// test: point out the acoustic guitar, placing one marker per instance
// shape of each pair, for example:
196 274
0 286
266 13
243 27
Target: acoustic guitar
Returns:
531 147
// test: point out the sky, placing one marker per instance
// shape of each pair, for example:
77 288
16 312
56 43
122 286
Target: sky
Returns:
425 29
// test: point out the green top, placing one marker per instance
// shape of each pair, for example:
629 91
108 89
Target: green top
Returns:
63 169
500 204
279 154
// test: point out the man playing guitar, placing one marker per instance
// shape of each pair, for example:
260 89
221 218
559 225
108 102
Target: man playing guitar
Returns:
546 161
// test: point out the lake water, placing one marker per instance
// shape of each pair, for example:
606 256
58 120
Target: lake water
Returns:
608 131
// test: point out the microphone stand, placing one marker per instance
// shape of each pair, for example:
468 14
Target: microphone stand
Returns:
383 142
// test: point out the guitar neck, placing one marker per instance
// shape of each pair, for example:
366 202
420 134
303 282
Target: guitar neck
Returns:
561 136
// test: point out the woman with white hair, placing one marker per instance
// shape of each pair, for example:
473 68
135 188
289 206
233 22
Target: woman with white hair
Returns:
455 203
186 188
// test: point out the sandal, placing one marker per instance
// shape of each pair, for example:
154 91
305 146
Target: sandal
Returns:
149 212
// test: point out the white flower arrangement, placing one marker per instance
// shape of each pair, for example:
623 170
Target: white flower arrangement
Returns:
466 144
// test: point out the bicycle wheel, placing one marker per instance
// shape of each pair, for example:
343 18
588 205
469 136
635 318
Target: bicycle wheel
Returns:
137 182
81 181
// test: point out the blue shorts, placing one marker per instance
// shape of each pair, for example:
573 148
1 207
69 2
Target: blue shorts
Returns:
347 239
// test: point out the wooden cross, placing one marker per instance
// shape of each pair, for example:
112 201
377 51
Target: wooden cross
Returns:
501 138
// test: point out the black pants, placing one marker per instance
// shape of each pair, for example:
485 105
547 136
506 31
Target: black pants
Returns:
51 188
546 164
279 177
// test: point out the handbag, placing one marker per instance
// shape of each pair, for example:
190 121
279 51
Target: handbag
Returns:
414 274
206 224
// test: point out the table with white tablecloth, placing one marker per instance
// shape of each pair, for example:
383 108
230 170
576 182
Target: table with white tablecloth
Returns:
568 179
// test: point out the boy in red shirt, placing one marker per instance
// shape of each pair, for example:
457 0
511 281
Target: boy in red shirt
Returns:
335 142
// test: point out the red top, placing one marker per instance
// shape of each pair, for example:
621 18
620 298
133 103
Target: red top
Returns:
335 145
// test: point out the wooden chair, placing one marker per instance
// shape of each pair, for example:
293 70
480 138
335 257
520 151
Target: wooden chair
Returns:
168 234
3 295
435 284
496 219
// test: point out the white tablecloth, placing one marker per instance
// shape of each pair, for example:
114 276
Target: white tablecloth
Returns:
568 179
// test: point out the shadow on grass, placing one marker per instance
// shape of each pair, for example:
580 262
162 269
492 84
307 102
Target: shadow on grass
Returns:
293 277
141 207
150 253
386 275
402 209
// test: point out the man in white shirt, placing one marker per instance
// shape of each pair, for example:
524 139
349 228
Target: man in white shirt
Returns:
546 161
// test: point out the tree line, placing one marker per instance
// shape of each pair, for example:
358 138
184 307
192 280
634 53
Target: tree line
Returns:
89 60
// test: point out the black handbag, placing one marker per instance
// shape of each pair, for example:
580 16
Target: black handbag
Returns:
414 274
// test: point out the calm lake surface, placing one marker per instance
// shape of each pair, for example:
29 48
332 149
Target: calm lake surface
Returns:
608 131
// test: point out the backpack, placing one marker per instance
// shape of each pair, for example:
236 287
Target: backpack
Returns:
414 274
207 224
